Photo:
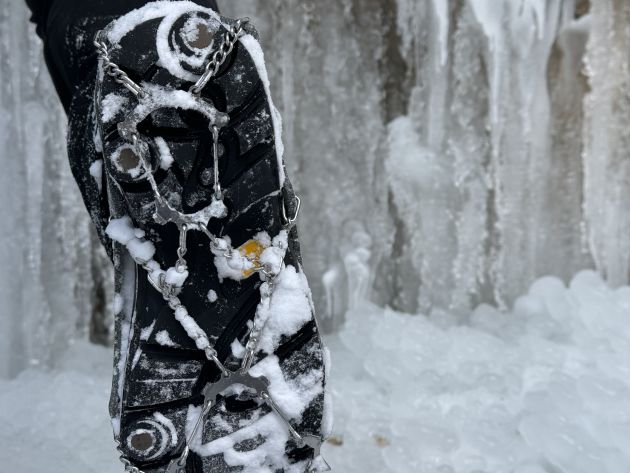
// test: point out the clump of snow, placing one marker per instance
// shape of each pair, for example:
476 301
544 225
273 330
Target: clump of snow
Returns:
238 350
164 339
263 238
273 257
122 231
110 106
229 263
146 332
212 295
166 158
176 278
218 208
289 309
96 171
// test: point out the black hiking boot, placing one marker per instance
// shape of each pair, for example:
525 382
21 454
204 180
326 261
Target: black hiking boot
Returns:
218 365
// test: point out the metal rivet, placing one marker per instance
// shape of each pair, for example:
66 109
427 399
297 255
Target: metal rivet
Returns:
142 441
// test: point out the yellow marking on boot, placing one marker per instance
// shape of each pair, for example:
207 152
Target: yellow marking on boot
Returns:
252 250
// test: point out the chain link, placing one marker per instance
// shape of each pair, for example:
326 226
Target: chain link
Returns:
113 70
129 467
218 58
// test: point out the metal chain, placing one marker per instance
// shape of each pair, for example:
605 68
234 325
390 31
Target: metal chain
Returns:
113 70
129 467
218 195
218 58
211 68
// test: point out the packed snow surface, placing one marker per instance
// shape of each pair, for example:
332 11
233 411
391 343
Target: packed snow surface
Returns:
544 388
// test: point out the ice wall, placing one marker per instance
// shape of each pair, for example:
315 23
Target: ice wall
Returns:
462 144
607 139
48 256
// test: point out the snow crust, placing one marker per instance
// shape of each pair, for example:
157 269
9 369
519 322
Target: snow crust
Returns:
542 388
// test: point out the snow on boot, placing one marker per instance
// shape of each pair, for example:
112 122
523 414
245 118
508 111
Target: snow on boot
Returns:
218 362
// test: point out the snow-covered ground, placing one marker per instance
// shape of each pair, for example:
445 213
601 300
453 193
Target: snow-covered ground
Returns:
542 388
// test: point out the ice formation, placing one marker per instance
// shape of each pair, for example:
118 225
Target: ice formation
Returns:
543 388
487 101
55 280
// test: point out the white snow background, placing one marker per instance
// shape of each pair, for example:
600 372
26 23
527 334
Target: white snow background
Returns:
543 388
449 154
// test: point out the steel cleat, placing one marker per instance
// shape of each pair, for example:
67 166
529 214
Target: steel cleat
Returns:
212 390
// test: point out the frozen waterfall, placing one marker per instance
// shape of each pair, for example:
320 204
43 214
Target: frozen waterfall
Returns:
447 152
53 276
457 150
